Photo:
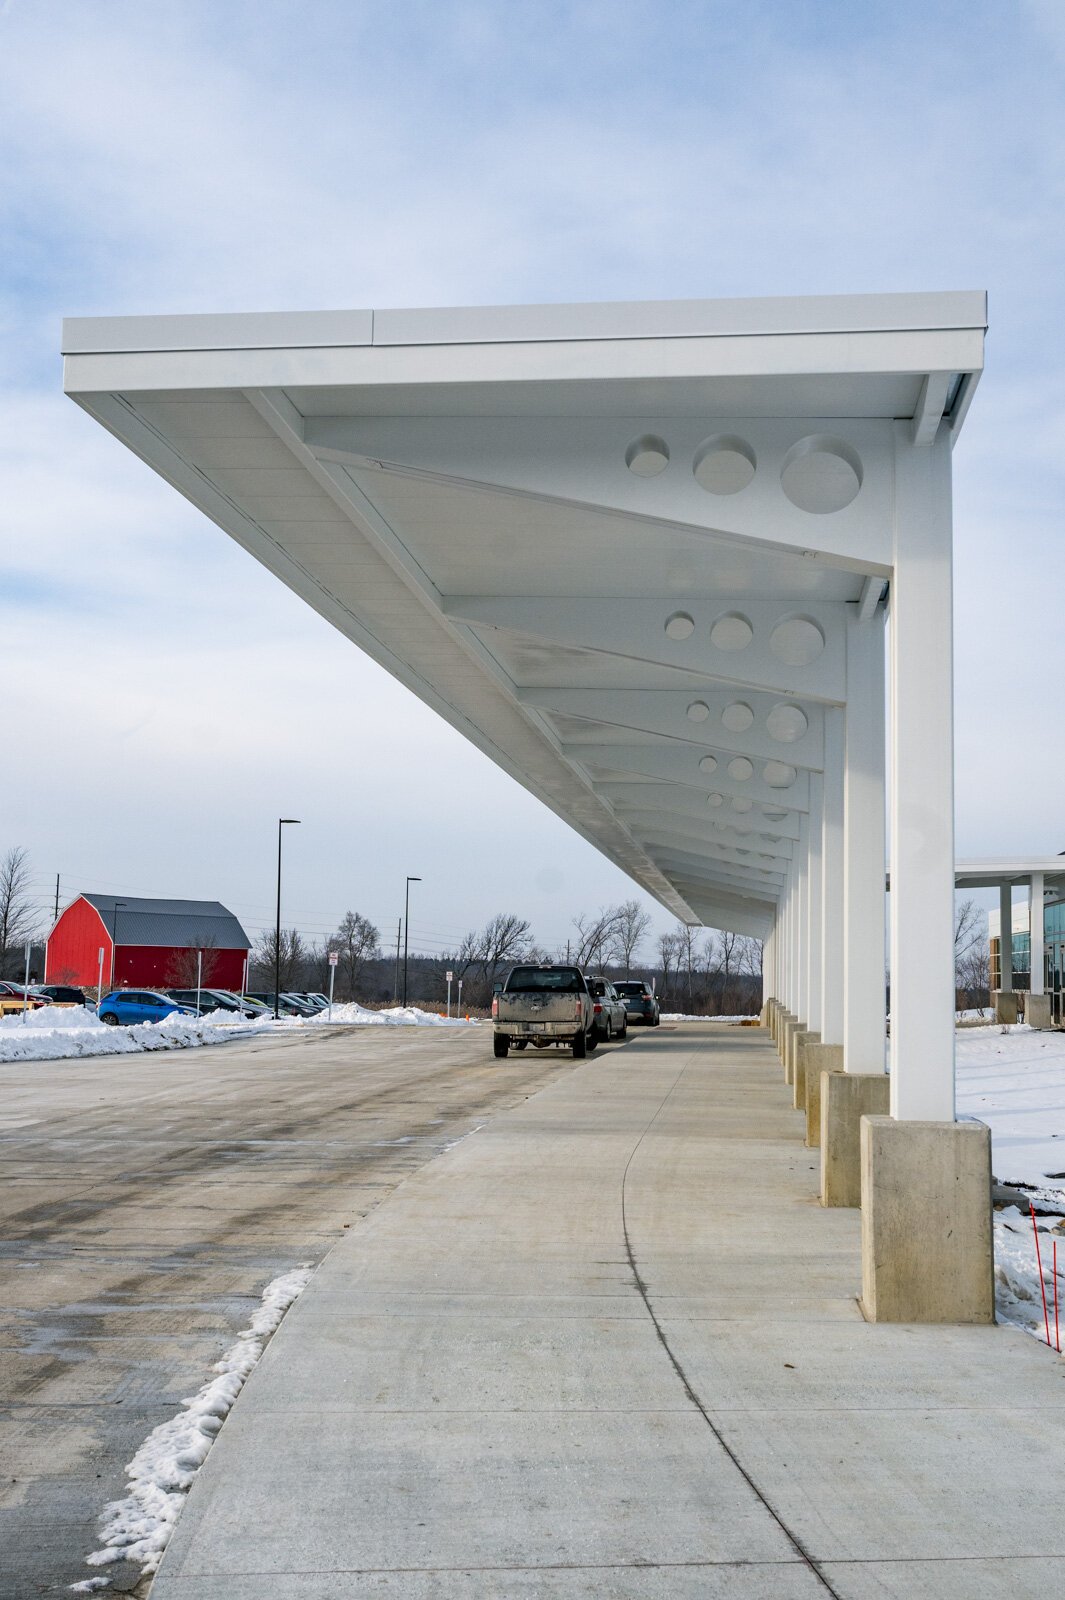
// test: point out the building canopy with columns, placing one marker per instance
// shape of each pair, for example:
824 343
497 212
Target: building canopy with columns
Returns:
643 556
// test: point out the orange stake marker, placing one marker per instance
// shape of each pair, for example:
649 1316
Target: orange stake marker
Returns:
1039 1265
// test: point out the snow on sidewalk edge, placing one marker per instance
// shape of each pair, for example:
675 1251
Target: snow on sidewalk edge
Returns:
138 1527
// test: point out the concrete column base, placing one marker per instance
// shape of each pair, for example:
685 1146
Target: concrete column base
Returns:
786 1020
1005 1005
791 1026
803 1042
847 1097
819 1058
927 1253
1037 1011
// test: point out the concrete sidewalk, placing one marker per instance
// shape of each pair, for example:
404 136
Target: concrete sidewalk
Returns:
609 1346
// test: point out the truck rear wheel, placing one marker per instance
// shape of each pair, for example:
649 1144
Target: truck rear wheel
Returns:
580 1046
501 1046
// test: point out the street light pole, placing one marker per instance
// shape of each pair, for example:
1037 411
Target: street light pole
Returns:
281 823
406 931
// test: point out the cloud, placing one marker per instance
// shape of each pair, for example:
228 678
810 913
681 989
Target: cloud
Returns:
198 157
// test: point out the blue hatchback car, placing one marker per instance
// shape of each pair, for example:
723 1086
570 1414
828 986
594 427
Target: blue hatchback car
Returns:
139 1005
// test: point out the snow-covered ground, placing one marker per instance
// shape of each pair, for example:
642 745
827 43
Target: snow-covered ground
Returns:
1014 1080
138 1527
57 1033
684 1016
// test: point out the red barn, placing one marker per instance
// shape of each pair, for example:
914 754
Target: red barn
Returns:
151 944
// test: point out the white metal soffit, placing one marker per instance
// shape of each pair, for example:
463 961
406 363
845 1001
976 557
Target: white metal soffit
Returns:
616 546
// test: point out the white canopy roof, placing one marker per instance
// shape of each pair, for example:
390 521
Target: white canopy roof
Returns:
616 546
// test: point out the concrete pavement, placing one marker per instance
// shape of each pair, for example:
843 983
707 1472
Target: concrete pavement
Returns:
609 1346
146 1200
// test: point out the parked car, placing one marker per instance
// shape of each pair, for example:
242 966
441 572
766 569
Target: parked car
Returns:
14 998
641 1002
63 994
542 1006
320 1002
288 1005
216 1000
140 1005
608 1008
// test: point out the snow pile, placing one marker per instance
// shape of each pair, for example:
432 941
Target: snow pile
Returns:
58 1033
685 1016
409 1016
138 1528
1014 1080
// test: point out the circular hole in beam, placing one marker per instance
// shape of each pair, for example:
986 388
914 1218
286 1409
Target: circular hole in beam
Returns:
733 631
724 464
779 775
797 641
698 711
740 769
647 456
821 474
737 717
680 625
786 723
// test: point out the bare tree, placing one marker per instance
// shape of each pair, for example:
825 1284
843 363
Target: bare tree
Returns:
668 959
749 956
973 976
596 936
187 964
632 923
356 941
727 962
264 960
18 915
504 939
688 956
969 927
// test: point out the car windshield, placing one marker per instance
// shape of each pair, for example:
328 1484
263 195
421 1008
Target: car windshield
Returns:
545 980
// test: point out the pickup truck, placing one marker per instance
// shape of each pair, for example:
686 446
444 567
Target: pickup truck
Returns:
542 1006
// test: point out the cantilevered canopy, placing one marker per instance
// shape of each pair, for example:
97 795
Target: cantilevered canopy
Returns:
616 546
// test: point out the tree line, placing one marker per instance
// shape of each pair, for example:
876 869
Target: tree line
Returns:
692 969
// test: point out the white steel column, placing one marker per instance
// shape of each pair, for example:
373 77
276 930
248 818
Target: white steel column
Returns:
1005 935
831 1024
814 931
802 921
1035 929
864 852
922 784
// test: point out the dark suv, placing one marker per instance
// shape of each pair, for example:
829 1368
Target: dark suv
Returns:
641 1004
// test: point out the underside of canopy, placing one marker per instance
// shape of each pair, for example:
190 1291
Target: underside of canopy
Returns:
617 547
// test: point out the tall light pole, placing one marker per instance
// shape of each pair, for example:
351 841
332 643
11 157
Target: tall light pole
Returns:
114 935
282 822
406 931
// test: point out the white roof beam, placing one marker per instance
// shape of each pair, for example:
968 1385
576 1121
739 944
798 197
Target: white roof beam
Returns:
640 631
694 716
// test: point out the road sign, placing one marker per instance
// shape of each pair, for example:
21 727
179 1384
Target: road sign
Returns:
450 976
333 958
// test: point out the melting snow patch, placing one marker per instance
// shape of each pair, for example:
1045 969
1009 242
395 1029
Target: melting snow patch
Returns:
138 1527
1018 1298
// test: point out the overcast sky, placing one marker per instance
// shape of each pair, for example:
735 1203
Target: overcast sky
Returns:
166 698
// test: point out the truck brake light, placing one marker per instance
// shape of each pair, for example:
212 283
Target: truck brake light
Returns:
495 1005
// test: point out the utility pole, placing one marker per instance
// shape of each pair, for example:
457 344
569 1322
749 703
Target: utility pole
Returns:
406 933
395 987
56 917
282 822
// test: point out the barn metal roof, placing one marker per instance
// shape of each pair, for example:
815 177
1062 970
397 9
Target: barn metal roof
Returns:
180 924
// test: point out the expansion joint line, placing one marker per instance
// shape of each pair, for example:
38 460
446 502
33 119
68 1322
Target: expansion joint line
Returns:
793 1538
